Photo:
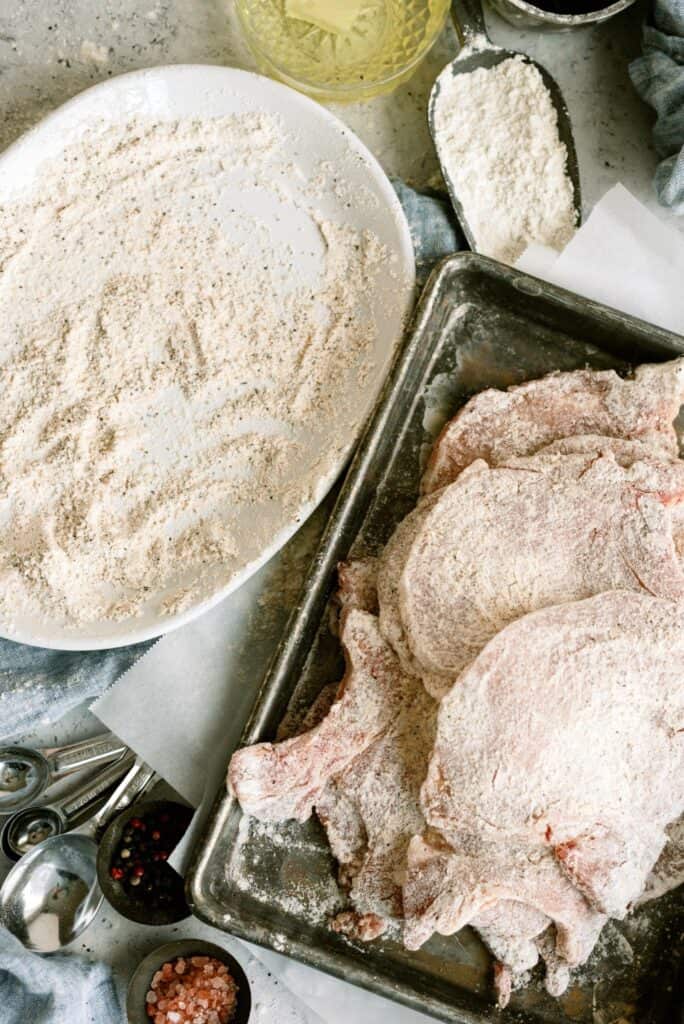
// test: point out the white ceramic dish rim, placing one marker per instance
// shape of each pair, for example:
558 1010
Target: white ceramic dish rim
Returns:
47 637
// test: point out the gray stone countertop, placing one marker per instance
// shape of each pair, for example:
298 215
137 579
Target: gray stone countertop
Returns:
52 49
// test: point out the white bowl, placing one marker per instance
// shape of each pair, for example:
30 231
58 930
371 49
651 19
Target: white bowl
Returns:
188 91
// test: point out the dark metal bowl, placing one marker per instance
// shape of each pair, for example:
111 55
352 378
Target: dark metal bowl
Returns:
526 15
136 909
140 982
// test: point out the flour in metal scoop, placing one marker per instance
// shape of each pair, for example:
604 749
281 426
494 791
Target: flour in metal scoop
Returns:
167 366
497 135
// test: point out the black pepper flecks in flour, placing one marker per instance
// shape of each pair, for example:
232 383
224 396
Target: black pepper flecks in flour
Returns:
164 382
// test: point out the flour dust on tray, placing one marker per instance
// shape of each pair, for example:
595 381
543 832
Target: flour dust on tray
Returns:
171 364
498 141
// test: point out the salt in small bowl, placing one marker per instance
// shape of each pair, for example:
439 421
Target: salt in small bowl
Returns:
136 1007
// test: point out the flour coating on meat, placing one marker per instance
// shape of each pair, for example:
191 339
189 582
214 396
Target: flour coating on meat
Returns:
357 587
361 768
500 542
533 836
277 781
561 795
390 567
371 810
496 425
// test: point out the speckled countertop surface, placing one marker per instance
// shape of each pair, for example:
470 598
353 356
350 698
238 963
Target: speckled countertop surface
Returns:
52 49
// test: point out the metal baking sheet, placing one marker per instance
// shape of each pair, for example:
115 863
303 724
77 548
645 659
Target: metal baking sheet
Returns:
479 324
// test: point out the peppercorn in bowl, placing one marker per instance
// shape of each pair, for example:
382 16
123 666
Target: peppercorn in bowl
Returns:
132 863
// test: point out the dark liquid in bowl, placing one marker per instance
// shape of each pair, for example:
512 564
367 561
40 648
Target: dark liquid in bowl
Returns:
569 6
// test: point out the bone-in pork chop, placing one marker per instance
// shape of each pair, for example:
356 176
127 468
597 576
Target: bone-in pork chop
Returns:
284 780
361 767
557 767
553 527
496 425
390 567
371 810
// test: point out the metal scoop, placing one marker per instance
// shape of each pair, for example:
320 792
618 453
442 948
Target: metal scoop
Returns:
33 825
480 52
26 773
52 894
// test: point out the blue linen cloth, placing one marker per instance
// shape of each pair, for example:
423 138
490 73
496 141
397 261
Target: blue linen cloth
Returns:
658 77
39 686
57 989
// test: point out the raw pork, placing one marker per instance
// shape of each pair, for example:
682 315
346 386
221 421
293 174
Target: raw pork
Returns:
390 568
496 425
361 767
274 782
537 531
557 767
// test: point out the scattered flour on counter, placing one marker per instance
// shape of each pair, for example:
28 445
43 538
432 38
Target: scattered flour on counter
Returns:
168 382
497 137
92 52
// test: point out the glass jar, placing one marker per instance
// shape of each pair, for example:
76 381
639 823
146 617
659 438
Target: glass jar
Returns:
384 45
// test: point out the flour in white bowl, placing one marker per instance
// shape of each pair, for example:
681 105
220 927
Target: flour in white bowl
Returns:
497 136
162 374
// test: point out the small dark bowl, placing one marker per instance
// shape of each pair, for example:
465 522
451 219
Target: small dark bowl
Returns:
139 986
137 909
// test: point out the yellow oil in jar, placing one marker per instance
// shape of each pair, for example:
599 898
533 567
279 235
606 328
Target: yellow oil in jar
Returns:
344 58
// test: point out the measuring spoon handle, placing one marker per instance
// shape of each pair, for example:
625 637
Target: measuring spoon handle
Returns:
87 754
80 802
136 782
468 19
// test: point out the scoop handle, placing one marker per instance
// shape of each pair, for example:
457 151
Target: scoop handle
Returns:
468 19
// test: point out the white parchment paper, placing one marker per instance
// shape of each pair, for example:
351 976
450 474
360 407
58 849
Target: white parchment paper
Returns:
623 256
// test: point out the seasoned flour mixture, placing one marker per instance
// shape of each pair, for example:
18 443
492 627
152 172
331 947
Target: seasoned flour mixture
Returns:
497 135
161 375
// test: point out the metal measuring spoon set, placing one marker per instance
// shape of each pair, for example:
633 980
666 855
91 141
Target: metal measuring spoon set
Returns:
33 825
52 893
25 773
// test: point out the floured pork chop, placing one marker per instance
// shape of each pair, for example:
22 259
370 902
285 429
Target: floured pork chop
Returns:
550 528
496 425
370 812
668 872
558 765
361 768
275 782
358 584
390 568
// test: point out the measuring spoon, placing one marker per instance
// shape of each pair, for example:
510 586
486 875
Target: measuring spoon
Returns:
478 51
33 825
26 773
52 894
